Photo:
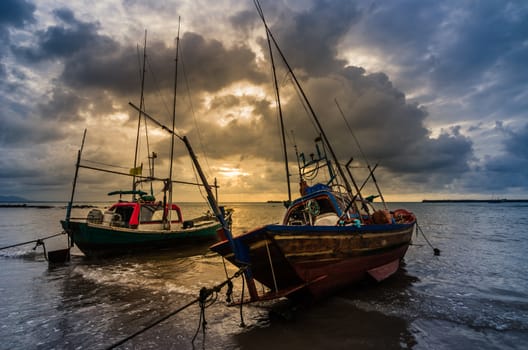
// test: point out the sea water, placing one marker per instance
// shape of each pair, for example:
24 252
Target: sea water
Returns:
474 295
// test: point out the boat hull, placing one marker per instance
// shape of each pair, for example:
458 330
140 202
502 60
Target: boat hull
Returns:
321 259
98 240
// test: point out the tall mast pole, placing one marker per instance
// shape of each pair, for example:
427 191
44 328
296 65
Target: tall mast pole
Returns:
277 96
173 122
312 112
70 203
240 249
141 100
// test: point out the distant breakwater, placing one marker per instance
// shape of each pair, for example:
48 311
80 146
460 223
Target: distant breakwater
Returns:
39 206
475 201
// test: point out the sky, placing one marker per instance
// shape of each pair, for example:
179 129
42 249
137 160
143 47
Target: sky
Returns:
434 92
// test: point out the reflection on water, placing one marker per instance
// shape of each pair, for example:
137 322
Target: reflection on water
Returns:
472 296
339 322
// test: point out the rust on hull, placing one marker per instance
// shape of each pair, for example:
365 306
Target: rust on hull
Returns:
318 260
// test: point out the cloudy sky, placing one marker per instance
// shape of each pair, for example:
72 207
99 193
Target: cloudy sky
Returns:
436 93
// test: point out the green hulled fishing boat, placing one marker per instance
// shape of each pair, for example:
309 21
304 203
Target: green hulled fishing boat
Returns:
142 223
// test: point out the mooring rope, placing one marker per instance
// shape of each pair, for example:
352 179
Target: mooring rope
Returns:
436 251
242 324
38 241
230 292
206 298
202 323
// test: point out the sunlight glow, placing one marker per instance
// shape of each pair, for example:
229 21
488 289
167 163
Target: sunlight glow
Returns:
242 89
119 117
367 61
238 90
230 172
242 109
370 61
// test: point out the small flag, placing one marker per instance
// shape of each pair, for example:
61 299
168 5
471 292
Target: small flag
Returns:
137 171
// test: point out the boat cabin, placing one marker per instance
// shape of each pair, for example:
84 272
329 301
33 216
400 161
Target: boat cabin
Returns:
324 208
135 214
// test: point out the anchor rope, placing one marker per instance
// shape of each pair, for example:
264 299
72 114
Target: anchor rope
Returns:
202 323
206 298
436 251
38 241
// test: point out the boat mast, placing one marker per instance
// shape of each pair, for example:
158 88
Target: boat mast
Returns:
240 249
279 106
141 101
173 123
77 165
312 112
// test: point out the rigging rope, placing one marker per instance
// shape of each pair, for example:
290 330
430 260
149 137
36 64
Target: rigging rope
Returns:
302 101
158 91
196 178
193 113
105 164
164 102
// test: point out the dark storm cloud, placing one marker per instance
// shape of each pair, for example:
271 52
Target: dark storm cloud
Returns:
100 75
255 137
210 65
91 60
98 68
205 66
471 54
468 58
391 130
72 43
20 132
507 172
517 143
213 66
471 50
65 105
16 117
245 21
486 34
511 168
402 31
15 13
61 41
310 38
